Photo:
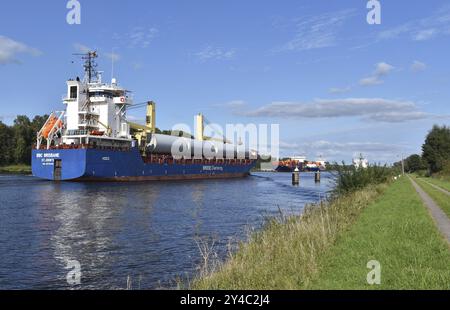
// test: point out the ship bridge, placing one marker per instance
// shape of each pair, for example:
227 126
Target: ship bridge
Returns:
94 111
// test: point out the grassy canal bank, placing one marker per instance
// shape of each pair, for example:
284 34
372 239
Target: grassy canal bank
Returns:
442 199
330 245
16 169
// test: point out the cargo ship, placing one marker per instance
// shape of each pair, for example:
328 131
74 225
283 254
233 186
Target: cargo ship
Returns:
92 140
300 162
289 164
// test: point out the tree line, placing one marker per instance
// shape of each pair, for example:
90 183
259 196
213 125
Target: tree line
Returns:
17 140
435 157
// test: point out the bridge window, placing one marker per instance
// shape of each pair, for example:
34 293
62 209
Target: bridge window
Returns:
73 92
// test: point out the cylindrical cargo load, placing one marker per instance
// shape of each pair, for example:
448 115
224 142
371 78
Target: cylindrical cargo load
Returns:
245 153
178 147
226 151
197 149
241 152
232 151
209 150
253 154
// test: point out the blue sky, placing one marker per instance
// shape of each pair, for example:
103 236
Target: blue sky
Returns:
336 85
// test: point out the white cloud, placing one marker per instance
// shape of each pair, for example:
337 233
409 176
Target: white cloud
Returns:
426 34
235 106
142 37
437 24
400 116
352 147
370 81
418 66
372 109
337 90
395 32
317 31
382 69
374 151
215 53
9 50
289 146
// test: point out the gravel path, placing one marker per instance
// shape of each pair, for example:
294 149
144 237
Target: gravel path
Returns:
440 218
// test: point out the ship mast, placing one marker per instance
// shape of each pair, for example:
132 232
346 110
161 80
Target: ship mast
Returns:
90 71
90 66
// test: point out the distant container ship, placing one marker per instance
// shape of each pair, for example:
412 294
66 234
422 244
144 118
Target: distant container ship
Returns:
92 140
300 162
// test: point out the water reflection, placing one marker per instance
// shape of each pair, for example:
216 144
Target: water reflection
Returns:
143 230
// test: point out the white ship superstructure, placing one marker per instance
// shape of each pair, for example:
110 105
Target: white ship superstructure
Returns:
95 112
361 162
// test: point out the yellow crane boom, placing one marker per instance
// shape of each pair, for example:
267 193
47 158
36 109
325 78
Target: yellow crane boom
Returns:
150 123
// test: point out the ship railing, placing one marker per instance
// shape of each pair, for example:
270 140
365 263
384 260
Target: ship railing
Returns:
167 159
65 98
76 132
83 147
89 123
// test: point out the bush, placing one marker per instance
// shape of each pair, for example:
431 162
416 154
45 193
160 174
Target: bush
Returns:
351 178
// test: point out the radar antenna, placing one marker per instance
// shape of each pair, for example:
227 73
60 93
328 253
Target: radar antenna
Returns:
90 66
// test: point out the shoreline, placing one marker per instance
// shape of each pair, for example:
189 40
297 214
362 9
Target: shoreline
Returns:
16 169
307 252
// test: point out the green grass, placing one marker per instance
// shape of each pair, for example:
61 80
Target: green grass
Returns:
398 232
438 182
16 169
285 254
439 197
330 246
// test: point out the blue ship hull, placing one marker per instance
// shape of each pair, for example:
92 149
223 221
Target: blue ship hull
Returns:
112 165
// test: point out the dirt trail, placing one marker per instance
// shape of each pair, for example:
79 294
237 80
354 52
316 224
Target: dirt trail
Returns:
440 218
438 188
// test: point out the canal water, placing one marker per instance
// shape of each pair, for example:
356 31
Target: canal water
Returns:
145 232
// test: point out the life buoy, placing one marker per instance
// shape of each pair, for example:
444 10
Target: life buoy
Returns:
122 99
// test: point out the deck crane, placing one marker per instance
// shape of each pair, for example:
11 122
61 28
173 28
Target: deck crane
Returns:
143 131
200 130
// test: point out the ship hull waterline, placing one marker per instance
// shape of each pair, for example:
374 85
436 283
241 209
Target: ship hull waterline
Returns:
94 165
